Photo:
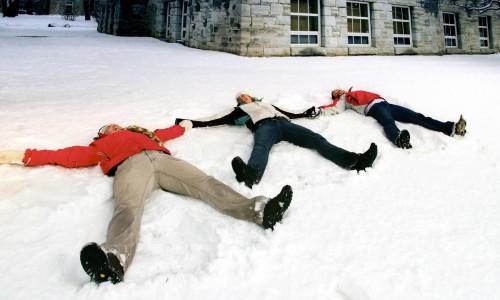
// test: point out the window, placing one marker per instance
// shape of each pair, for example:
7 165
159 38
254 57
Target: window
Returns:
450 30
304 22
184 20
68 9
401 23
358 23
484 33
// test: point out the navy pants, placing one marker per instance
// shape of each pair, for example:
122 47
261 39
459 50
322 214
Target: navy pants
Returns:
272 131
386 114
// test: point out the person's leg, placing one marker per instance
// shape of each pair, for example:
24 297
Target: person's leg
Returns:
178 176
405 115
134 182
306 138
382 114
265 137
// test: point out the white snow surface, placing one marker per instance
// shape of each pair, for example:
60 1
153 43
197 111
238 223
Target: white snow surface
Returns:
422 224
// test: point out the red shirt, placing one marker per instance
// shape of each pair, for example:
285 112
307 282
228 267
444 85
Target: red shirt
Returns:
108 151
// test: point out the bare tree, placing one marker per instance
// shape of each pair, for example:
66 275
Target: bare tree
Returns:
480 6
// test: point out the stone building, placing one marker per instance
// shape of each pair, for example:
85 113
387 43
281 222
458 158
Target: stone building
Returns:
307 27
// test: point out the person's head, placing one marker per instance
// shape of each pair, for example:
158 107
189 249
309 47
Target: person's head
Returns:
109 129
337 93
244 97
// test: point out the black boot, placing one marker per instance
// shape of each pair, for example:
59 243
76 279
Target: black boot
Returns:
365 160
276 207
244 173
403 140
100 265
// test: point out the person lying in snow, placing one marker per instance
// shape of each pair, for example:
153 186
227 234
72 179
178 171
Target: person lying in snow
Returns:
271 125
374 105
141 164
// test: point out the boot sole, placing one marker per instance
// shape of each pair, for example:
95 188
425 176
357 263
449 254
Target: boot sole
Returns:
96 263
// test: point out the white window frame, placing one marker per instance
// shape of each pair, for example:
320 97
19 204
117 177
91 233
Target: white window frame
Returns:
168 19
184 20
402 22
301 34
447 28
484 27
354 35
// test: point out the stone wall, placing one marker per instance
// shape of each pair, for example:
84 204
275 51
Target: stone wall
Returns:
262 27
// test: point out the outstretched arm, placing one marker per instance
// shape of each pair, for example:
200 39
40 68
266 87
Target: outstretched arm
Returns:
308 113
336 107
71 157
170 133
224 118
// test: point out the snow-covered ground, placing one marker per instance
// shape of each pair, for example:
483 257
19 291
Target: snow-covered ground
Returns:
422 224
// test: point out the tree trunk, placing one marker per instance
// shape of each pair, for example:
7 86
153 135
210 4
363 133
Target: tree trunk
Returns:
87 9
10 8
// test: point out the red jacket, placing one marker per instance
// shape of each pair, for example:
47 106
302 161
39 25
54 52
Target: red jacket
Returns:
108 151
356 98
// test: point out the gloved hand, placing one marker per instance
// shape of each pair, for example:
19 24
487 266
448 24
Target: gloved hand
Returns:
11 157
312 112
186 124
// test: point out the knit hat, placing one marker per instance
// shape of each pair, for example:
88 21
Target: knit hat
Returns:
102 130
238 94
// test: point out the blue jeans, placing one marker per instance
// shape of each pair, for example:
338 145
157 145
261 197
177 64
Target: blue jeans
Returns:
272 131
386 114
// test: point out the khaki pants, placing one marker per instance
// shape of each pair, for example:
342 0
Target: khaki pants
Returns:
147 171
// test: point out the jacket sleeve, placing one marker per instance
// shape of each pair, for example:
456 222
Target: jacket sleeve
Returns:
169 133
336 107
71 157
308 113
224 118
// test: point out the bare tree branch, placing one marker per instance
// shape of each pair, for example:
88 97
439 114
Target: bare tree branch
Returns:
481 6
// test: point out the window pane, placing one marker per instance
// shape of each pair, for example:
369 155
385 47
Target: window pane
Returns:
397 14
356 25
397 28
406 13
406 28
482 21
313 23
294 26
313 39
294 6
355 10
483 32
313 6
364 10
349 9
304 39
446 18
303 6
303 26
450 42
350 40
449 31
364 40
294 39
364 26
